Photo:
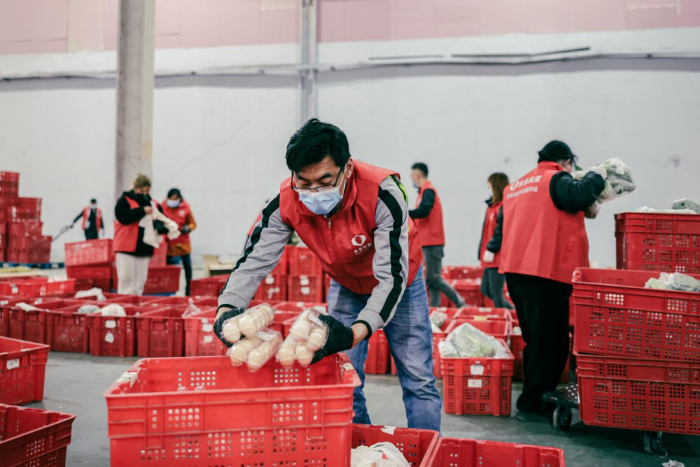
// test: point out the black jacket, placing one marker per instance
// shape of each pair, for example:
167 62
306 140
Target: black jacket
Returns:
426 205
494 243
126 215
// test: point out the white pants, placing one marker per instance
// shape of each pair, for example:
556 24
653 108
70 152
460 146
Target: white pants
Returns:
132 272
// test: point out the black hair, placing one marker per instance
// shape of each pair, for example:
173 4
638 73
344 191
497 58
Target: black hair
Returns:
556 151
93 200
420 166
174 192
313 142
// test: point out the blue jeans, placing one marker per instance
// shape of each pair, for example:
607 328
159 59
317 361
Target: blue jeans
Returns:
410 340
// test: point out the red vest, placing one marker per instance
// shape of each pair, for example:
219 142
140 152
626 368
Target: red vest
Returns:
126 236
489 227
179 215
98 217
539 239
430 229
345 243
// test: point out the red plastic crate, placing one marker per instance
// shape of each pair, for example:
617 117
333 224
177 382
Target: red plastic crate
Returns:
9 177
208 287
498 328
91 252
200 340
305 288
282 268
469 290
24 228
303 262
161 279
299 416
34 437
479 386
111 336
639 394
160 255
658 242
161 333
417 446
174 302
273 287
616 315
89 272
22 371
453 452
451 273
67 330
377 362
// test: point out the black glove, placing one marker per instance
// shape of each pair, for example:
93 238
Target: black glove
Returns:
340 338
185 229
227 312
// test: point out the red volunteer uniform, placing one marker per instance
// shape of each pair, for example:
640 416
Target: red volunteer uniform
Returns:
539 239
126 236
98 217
430 229
489 227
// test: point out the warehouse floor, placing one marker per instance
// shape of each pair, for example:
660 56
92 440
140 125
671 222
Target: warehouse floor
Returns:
75 384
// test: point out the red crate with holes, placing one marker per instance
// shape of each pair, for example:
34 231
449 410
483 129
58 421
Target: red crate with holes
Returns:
658 242
31 325
22 371
67 330
203 411
302 261
160 333
161 279
20 228
112 336
478 386
160 255
468 289
378 353
101 276
200 340
305 289
639 394
455 452
451 273
91 252
616 315
273 287
208 286
34 437
417 446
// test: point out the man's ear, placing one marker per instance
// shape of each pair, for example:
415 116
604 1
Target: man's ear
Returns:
349 168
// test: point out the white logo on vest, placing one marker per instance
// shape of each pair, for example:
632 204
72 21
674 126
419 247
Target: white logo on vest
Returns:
358 240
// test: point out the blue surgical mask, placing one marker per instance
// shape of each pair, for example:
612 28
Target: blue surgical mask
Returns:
415 185
173 203
321 203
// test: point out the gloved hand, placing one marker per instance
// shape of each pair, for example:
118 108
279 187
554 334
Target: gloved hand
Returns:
488 256
225 313
185 229
593 210
340 338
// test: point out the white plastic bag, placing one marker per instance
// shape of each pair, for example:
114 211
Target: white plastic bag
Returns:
88 309
438 318
674 281
686 204
618 181
379 455
94 292
113 309
466 341
192 310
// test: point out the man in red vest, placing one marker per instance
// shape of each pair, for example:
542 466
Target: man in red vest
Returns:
544 240
354 217
428 219
93 222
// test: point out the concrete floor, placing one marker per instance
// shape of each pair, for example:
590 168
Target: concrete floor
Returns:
75 384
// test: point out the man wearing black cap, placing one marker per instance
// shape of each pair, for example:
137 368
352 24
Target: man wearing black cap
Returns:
92 220
544 241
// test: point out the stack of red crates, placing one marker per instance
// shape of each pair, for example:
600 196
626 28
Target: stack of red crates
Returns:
305 282
21 240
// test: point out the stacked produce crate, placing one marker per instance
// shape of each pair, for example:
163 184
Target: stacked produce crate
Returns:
21 240
638 348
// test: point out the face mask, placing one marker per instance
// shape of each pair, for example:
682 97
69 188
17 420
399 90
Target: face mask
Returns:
415 185
321 203
173 203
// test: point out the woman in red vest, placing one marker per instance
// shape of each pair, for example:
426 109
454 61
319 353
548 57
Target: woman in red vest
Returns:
544 241
93 222
354 217
179 249
492 282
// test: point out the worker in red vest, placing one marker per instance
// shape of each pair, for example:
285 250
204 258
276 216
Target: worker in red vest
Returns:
180 248
93 222
132 255
544 241
493 282
354 217
427 216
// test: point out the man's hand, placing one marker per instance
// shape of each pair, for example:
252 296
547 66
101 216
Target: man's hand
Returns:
593 210
340 338
185 229
488 256
224 314
147 209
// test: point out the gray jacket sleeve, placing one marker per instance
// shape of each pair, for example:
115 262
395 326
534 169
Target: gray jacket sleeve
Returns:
390 263
263 251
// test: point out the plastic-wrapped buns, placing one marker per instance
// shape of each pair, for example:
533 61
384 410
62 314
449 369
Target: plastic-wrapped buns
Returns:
238 353
287 353
301 328
304 354
317 338
307 335
256 319
232 330
260 355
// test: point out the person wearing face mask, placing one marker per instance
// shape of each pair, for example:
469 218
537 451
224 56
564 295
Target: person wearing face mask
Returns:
544 241
179 249
93 223
354 217
427 216
132 255
492 282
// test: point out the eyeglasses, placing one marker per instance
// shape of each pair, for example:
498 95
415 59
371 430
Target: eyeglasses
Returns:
317 189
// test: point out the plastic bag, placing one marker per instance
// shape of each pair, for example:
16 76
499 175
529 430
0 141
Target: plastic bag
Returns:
438 319
113 309
192 310
382 454
26 307
94 292
255 350
307 335
618 181
249 322
686 204
644 209
674 281
466 341
88 309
